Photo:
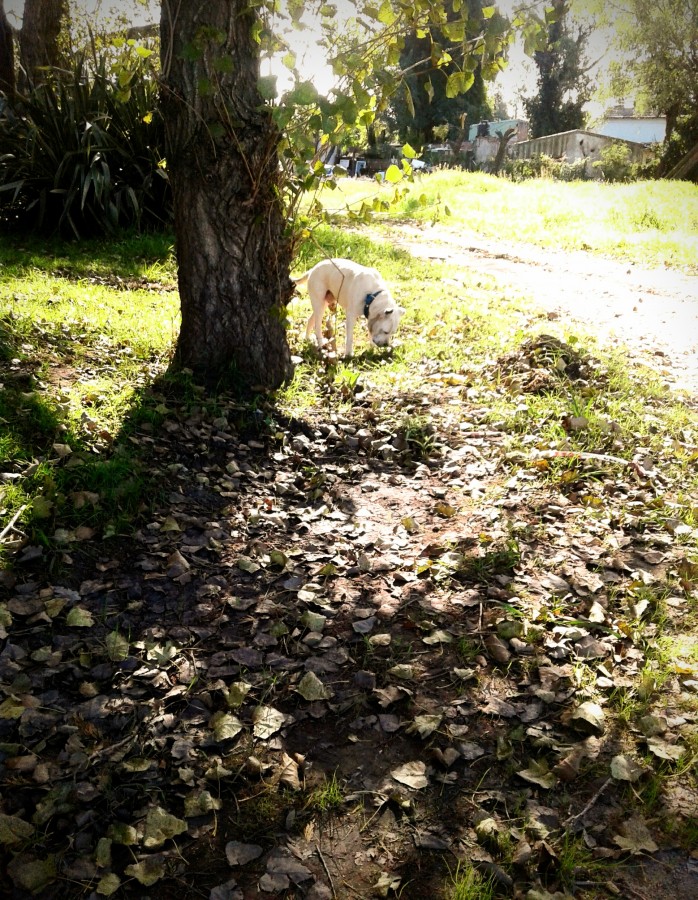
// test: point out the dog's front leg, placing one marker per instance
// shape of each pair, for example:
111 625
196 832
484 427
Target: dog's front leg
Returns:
349 339
315 320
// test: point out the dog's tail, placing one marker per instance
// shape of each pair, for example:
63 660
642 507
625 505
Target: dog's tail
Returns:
301 280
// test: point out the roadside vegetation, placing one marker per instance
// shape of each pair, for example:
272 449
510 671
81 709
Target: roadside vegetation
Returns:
472 560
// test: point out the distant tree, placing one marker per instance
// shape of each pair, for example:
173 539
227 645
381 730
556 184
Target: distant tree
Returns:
7 55
500 110
563 83
426 100
658 40
39 38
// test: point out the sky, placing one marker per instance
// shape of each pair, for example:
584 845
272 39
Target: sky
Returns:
518 78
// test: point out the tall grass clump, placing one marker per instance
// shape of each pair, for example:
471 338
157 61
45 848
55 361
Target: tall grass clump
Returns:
81 152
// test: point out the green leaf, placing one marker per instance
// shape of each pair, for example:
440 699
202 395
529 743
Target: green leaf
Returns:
120 833
160 826
237 693
409 100
78 617
32 874
117 646
108 885
313 621
11 708
248 565
304 94
199 803
488 11
14 830
454 31
393 174
538 773
385 13
150 870
289 60
225 726
311 688
409 151
41 507
278 558
458 83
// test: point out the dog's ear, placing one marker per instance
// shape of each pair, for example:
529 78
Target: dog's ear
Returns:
401 310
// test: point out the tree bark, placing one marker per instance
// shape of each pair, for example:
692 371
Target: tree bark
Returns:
39 47
233 251
7 56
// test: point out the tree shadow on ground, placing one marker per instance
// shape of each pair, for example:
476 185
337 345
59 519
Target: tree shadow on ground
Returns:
313 668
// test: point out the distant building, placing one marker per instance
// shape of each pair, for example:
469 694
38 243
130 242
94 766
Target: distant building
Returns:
572 146
621 122
496 129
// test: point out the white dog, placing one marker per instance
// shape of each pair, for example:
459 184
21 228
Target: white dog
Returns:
359 291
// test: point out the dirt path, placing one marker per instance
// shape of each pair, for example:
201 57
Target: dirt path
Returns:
654 312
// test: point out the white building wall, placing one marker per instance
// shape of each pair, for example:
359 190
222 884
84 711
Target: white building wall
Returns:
641 129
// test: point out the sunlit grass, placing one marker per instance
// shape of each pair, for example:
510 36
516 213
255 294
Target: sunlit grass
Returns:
649 222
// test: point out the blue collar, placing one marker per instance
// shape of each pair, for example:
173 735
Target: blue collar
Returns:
369 300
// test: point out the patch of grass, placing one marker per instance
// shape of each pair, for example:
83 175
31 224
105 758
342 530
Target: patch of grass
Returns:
418 435
467 649
574 862
492 562
327 797
466 883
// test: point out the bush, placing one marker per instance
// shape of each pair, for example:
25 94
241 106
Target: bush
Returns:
82 153
614 164
543 166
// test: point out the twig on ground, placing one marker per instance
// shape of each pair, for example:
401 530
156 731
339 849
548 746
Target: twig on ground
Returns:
600 457
112 748
589 805
11 524
327 871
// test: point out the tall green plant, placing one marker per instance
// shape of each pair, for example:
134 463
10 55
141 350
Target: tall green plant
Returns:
82 153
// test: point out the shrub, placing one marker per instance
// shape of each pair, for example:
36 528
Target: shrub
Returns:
82 153
614 164
543 166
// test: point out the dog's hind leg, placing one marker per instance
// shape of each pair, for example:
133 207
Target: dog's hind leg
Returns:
309 327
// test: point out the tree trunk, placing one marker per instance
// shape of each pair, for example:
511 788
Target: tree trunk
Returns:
7 56
41 26
233 251
502 149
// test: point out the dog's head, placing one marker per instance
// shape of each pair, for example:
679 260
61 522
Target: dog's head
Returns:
384 319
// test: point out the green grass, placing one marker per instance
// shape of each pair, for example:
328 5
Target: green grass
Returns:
327 797
85 329
468 884
652 223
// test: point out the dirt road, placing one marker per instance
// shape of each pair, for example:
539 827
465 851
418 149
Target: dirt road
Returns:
653 312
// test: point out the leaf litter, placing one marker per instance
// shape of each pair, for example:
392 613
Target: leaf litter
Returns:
462 641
